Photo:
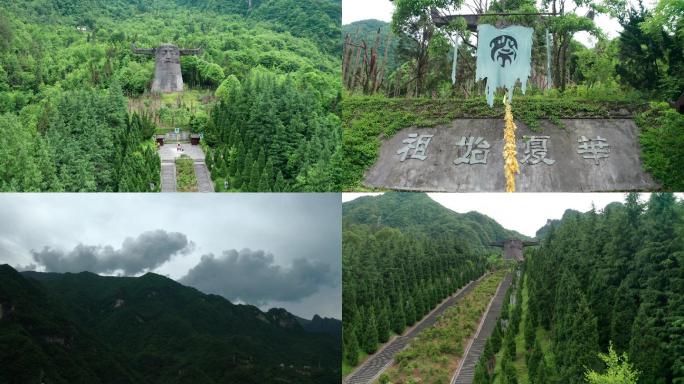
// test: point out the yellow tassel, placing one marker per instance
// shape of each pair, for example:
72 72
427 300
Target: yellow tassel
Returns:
511 166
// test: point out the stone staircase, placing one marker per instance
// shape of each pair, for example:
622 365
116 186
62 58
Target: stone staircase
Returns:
168 176
373 367
204 183
466 369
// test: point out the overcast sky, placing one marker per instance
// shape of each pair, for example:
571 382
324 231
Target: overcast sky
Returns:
355 10
522 212
265 249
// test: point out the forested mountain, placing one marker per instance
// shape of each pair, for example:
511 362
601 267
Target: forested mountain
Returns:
85 328
602 281
408 211
80 51
402 253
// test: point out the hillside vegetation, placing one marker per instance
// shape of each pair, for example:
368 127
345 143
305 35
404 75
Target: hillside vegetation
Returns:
402 254
52 51
85 328
606 282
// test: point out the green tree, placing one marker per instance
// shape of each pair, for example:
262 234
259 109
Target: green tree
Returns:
370 334
618 370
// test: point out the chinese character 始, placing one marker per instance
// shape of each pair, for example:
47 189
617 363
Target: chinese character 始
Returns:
415 148
594 149
536 151
476 150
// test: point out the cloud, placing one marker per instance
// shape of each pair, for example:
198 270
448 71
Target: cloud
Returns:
253 277
148 251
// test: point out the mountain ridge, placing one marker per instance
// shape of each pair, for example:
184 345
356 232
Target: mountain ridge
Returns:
406 210
159 331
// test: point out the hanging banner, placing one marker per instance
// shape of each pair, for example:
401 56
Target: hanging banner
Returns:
503 57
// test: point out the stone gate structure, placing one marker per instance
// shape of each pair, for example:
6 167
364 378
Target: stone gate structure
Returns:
513 248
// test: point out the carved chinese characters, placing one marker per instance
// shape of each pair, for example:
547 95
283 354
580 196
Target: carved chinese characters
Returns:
467 155
476 150
595 149
536 151
416 147
472 150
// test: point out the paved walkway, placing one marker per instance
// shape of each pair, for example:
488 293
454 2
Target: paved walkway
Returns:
204 183
370 369
466 370
168 176
169 153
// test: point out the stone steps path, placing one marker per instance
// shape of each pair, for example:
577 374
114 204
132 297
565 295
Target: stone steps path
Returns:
204 183
466 369
373 367
168 176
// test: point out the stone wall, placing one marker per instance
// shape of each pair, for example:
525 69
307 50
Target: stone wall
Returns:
581 155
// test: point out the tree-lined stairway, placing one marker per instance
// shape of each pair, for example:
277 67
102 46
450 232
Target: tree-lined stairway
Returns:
466 370
369 370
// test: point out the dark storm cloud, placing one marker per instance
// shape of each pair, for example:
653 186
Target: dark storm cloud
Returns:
148 251
253 277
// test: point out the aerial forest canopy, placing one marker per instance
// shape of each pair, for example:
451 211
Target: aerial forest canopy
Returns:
76 113
600 302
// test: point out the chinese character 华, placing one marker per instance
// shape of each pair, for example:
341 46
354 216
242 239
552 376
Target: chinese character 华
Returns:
416 145
594 149
536 151
476 150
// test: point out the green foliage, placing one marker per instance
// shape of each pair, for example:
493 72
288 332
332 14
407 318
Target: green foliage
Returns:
662 140
317 20
397 266
268 123
481 375
350 345
618 370
70 329
186 181
429 357
633 250
54 51
651 50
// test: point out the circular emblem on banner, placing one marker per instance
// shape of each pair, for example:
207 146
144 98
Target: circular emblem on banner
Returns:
504 49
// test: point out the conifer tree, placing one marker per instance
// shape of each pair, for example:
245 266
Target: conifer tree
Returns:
370 336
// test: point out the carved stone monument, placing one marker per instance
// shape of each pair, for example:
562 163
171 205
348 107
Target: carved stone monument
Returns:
581 155
167 70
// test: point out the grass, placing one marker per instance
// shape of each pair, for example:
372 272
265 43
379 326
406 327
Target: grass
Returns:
171 110
367 120
186 181
433 355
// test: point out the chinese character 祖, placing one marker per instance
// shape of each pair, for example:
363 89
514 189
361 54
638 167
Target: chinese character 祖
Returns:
477 150
595 149
536 151
415 144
